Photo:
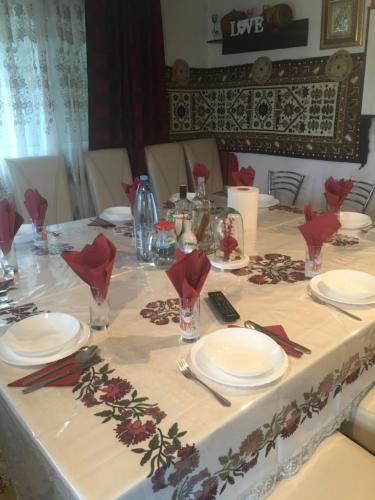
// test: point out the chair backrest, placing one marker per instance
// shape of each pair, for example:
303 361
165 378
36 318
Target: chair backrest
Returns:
166 168
204 151
360 195
285 180
106 169
48 175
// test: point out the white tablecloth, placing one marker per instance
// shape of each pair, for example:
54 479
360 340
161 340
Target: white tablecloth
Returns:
56 444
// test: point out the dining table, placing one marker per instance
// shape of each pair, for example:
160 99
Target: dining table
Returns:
133 427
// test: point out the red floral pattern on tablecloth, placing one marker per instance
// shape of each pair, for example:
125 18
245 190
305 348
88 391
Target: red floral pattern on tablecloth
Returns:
139 427
161 312
273 268
126 229
342 240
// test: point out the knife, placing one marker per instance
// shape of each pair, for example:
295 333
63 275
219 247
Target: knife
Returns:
270 333
42 383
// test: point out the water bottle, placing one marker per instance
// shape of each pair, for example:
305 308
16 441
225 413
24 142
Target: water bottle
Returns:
145 217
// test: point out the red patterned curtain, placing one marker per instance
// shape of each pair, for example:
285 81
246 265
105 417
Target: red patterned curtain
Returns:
126 76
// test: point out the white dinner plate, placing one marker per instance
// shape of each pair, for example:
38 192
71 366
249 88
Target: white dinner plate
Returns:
205 367
41 334
176 196
347 284
267 200
229 265
116 214
316 287
354 220
9 356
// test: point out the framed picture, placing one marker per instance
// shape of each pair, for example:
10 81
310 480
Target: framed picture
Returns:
342 23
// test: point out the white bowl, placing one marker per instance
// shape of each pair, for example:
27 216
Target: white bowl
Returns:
267 200
354 220
116 214
347 284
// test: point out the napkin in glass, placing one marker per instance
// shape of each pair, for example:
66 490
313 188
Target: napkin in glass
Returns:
10 222
244 177
318 230
200 170
94 263
131 190
36 206
188 273
335 192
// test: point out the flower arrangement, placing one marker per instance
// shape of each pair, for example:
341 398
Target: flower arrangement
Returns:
229 244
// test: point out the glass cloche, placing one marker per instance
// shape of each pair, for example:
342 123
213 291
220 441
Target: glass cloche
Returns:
229 236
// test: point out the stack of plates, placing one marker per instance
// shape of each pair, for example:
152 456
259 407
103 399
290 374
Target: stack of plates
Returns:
116 214
42 338
345 286
238 357
267 200
353 220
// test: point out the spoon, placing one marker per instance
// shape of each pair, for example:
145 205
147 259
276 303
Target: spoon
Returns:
81 357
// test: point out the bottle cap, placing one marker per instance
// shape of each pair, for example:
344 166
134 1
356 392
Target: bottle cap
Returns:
143 178
183 191
164 225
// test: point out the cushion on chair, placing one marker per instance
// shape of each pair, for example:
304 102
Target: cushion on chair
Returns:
204 151
166 168
48 175
339 469
361 426
106 169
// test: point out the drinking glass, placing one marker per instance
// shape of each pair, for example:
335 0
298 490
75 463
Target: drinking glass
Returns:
189 319
8 258
99 309
313 261
40 238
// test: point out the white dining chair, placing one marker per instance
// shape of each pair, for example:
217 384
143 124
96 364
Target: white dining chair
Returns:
48 175
166 169
106 169
361 424
204 151
339 469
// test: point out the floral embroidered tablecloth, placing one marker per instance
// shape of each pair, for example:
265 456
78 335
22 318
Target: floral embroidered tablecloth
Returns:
134 428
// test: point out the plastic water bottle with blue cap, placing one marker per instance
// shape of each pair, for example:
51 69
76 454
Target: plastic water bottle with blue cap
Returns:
145 216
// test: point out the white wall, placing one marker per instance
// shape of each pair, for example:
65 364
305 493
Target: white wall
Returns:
184 38
185 31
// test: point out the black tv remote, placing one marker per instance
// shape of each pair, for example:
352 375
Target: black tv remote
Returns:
223 307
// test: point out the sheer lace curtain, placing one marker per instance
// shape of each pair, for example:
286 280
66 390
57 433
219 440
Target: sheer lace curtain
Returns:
43 86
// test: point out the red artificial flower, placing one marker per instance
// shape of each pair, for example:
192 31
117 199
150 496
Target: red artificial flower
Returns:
228 244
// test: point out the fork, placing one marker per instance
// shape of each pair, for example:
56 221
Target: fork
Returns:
186 372
323 303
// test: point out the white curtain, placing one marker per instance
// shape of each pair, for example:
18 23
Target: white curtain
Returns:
43 86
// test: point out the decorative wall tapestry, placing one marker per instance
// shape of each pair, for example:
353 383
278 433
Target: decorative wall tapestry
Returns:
299 111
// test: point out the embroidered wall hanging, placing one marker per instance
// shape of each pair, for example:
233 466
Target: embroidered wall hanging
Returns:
299 111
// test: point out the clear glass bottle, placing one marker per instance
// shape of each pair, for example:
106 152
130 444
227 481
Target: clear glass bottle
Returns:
202 224
145 217
182 210
165 244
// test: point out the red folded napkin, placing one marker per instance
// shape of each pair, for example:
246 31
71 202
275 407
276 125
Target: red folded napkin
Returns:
335 192
318 230
36 206
94 263
99 222
69 380
188 273
309 212
131 190
200 170
245 176
280 331
10 222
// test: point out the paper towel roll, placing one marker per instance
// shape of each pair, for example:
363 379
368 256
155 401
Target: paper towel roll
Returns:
245 200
